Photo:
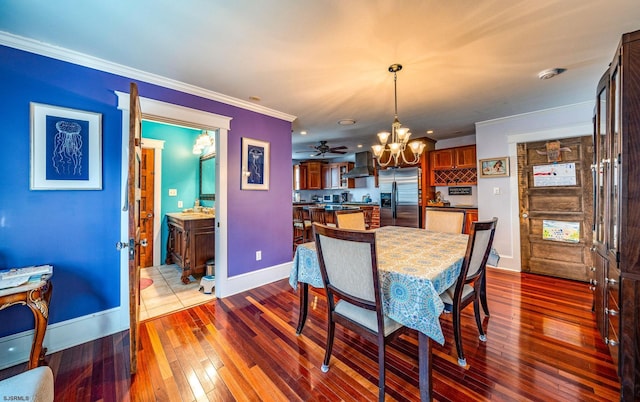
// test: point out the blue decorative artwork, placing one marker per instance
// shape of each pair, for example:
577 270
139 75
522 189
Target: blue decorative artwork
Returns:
67 155
66 148
255 164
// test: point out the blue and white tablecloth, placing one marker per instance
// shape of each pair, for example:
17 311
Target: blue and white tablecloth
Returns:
415 266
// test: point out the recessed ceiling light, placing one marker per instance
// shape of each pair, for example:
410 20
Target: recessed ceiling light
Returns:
429 131
550 73
347 122
359 145
303 133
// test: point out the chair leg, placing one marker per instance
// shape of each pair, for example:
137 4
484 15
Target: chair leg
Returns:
476 312
381 368
483 295
331 327
458 335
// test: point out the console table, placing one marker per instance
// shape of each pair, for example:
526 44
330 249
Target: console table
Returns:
36 296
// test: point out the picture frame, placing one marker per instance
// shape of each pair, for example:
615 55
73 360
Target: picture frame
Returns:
494 167
255 164
66 148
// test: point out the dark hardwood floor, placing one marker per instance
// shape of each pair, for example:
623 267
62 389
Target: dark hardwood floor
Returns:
542 346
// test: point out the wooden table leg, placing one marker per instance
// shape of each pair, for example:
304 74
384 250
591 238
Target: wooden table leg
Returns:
424 364
302 314
38 302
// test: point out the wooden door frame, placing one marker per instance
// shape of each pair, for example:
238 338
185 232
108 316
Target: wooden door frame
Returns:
178 115
157 146
577 130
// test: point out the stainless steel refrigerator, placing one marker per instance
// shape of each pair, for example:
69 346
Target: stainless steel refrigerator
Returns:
399 197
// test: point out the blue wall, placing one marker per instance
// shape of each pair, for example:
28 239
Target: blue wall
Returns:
76 231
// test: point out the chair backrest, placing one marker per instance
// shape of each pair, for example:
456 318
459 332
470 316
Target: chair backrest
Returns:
349 265
298 214
478 250
350 219
317 214
448 221
368 215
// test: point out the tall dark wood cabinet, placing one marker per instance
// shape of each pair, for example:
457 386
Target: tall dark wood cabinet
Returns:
616 231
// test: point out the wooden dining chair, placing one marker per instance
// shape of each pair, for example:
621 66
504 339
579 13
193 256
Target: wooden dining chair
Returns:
317 215
349 268
368 215
301 226
451 221
350 219
470 285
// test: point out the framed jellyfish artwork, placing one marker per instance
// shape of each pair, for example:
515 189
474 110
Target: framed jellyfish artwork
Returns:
255 164
66 148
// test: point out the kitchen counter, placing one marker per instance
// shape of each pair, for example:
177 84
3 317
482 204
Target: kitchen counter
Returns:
189 216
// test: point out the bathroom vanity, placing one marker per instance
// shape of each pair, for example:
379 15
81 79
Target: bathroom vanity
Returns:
191 241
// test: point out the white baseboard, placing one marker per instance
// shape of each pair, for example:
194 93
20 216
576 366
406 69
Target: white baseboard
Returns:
16 348
251 280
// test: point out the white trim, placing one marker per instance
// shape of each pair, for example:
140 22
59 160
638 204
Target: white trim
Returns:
179 115
16 348
569 131
501 120
254 279
60 53
157 146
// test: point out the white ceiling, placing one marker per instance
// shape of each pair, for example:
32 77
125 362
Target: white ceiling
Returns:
464 61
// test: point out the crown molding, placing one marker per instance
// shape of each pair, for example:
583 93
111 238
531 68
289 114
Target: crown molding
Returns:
81 59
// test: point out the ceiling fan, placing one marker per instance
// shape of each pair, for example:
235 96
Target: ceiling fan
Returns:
323 148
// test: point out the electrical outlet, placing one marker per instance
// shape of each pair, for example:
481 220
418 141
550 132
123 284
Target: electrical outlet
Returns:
173 192
258 255
496 191
179 204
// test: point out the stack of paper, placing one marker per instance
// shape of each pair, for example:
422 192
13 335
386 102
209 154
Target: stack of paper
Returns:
19 276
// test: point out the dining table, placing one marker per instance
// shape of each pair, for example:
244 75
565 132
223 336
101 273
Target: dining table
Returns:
415 265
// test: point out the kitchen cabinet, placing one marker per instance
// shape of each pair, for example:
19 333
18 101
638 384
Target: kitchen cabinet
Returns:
453 166
314 175
470 217
191 242
615 274
332 175
300 177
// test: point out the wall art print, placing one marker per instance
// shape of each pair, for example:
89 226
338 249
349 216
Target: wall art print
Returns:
66 148
255 164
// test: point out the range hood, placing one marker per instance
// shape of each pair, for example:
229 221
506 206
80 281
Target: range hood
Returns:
363 166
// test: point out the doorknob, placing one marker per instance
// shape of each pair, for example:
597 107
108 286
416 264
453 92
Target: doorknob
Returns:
121 244
525 215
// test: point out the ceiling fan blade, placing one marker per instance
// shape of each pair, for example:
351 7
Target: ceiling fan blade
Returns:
340 147
338 152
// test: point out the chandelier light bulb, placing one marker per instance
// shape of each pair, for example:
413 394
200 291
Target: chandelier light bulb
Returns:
383 137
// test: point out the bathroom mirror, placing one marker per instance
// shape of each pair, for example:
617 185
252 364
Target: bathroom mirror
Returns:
208 177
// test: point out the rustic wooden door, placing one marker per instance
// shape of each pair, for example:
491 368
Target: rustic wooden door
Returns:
555 201
133 204
146 206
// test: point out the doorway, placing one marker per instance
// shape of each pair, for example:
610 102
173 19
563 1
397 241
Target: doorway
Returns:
171 166
555 206
182 116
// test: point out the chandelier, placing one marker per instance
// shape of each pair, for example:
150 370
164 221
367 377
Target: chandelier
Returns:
203 141
399 136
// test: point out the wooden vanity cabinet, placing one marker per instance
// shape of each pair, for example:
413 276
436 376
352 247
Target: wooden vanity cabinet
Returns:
191 243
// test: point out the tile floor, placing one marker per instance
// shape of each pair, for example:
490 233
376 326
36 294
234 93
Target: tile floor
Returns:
168 293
